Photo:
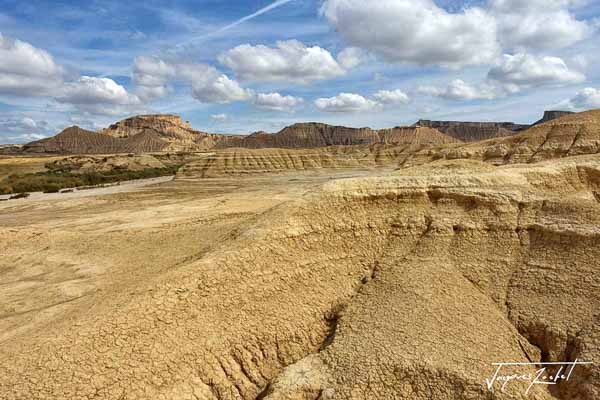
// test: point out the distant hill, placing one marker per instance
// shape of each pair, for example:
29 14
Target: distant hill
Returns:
473 131
156 133
312 135
570 135
75 140
477 131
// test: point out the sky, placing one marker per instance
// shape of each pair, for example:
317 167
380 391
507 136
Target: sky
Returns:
239 66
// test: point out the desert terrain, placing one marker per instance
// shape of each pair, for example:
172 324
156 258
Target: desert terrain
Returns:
403 264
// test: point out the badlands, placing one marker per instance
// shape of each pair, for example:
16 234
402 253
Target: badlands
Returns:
406 266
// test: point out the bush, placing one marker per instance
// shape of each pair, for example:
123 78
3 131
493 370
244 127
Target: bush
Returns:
52 188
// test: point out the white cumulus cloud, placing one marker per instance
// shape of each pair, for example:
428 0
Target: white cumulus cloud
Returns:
92 90
415 31
421 32
221 90
98 96
26 70
153 78
277 102
537 24
525 70
346 103
219 117
511 74
352 57
289 61
585 99
392 97
22 125
461 90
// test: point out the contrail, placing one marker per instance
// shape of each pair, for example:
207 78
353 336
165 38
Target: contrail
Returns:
260 12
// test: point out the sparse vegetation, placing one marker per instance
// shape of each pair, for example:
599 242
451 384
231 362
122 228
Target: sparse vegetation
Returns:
55 181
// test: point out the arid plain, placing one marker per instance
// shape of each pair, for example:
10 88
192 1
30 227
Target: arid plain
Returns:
394 270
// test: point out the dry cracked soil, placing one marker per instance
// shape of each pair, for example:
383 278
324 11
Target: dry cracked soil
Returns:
356 284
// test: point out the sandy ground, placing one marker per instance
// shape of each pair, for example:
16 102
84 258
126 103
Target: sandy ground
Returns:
62 252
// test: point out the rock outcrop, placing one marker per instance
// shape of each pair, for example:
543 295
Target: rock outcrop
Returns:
179 135
473 131
169 125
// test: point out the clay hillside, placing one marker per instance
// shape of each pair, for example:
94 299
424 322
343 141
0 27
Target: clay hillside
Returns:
570 135
80 141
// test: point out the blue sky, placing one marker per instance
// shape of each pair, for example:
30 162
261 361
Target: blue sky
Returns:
243 66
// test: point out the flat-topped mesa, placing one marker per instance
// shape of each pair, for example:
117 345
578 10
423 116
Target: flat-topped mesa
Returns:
473 131
552 115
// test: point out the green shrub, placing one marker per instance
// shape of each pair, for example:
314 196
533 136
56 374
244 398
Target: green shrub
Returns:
53 181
